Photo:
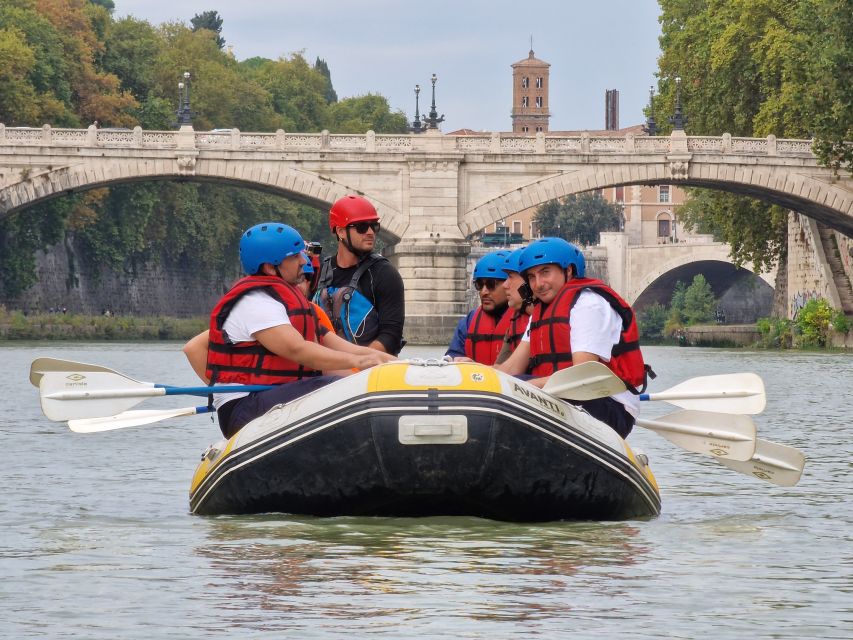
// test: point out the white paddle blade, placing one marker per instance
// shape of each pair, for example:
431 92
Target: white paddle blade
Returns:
773 462
732 393
74 395
585 381
721 435
40 366
129 419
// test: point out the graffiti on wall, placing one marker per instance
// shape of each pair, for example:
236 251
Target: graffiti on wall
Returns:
799 300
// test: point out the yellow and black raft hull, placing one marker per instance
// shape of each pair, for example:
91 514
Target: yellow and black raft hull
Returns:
425 438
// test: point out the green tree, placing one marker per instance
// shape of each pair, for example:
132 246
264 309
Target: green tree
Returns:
321 67
814 321
211 21
579 218
699 301
297 91
651 321
752 68
365 113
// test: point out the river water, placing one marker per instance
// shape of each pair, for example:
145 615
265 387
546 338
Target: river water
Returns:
97 540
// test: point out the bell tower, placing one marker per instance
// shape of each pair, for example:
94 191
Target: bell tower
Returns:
530 85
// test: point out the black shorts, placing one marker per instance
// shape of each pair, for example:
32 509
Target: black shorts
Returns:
611 412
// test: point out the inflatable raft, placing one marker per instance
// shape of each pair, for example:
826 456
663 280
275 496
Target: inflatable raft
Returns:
424 438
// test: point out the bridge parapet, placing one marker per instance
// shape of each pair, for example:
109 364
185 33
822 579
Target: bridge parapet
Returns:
370 142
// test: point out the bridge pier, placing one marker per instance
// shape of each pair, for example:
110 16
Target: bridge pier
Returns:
434 270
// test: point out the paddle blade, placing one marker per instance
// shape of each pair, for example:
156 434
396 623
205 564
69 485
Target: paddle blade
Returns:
65 396
773 462
721 435
131 419
585 381
731 393
40 366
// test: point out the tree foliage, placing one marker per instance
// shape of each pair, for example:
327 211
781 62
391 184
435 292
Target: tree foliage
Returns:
752 68
211 21
579 218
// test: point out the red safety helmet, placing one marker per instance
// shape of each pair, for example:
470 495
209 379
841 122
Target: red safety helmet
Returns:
351 209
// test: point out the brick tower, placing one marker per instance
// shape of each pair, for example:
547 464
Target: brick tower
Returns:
530 95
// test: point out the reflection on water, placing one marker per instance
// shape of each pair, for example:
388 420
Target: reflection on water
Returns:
401 569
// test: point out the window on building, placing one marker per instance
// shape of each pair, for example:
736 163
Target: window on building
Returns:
524 129
539 128
540 82
525 82
516 226
663 227
525 101
619 194
663 193
539 101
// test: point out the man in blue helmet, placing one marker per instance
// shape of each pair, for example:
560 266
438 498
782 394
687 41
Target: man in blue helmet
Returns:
264 331
479 335
520 301
575 320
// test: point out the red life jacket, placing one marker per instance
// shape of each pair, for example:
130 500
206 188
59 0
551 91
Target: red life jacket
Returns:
517 326
550 334
485 336
251 362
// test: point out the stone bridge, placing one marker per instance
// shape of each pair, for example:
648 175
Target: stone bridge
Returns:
432 191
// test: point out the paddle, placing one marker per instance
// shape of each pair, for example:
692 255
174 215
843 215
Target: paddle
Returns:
585 381
721 435
40 366
93 394
773 462
131 419
730 393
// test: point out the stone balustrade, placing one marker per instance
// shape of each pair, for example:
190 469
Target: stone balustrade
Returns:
370 142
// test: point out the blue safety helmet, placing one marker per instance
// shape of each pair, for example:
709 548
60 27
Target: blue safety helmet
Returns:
491 265
268 242
307 268
511 262
552 251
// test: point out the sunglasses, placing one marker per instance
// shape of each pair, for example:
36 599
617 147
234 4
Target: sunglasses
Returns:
490 283
362 227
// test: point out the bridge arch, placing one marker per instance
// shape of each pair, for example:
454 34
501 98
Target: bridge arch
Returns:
828 202
283 180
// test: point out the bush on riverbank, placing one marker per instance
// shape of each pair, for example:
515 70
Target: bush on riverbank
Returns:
14 325
814 327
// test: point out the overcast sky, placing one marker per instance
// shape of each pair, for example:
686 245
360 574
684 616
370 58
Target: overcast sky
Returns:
388 46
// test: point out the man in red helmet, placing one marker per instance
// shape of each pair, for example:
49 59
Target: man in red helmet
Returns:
360 290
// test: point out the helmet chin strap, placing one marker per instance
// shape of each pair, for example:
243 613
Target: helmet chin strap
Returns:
347 242
277 272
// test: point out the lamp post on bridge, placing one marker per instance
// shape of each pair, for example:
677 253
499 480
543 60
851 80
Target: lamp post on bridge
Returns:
417 125
433 121
651 127
678 120
183 112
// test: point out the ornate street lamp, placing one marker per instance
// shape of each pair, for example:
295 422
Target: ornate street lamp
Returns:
417 125
183 112
678 120
433 121
651 127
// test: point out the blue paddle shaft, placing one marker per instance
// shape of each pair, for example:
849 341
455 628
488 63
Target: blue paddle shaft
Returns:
203 391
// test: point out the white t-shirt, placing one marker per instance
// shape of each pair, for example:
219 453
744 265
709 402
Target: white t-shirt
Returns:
255 311
596 328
